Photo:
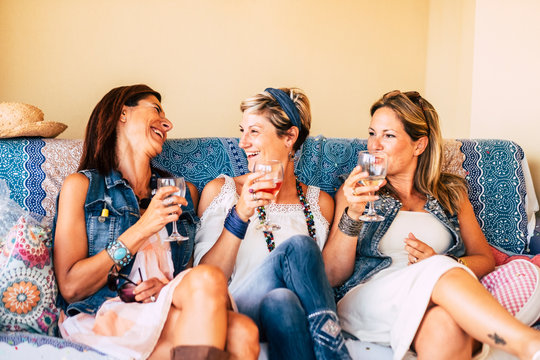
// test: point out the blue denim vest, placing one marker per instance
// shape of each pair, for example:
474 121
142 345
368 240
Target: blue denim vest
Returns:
116 195
370 261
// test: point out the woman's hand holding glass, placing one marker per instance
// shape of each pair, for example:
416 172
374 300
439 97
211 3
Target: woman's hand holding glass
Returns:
269 183
375 164
252 197
180 184
358 195
164 208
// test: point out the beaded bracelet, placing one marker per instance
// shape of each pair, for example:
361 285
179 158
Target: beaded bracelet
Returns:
119 253
348 225
235 225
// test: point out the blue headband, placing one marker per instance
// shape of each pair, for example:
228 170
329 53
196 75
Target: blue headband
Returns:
287 105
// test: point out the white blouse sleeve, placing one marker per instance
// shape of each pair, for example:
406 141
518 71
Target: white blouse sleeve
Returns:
212 221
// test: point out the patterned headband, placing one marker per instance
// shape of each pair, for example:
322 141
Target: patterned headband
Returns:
287 105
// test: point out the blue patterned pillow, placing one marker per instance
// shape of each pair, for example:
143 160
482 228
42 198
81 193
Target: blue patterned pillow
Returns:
28 287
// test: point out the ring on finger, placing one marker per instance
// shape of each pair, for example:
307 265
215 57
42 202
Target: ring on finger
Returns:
415 260
152 298
253 196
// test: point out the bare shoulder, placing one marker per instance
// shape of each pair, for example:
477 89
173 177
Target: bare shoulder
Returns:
210 191
75 185
326 203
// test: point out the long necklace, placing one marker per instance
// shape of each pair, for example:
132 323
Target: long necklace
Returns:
269 235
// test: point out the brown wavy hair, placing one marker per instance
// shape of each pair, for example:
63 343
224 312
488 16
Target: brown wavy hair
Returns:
99 148
419 119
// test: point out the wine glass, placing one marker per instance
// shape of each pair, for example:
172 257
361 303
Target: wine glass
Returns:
272 173
180 183
375 164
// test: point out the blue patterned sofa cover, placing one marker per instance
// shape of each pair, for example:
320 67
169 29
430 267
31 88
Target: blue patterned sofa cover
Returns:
500 187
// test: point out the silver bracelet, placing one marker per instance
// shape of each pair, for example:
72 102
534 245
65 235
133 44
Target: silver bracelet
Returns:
119 253
348 225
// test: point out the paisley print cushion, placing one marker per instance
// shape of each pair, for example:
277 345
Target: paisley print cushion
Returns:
27 283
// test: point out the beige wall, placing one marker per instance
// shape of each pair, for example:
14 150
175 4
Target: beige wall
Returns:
476 61
506 75
449 64
206 56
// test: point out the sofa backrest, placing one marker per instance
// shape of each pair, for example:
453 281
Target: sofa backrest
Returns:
34 169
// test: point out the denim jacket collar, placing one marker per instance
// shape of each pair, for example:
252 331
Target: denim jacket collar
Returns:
113 179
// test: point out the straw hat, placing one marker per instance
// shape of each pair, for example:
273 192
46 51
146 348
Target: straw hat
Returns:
17 119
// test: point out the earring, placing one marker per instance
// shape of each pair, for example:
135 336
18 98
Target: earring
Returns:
291 155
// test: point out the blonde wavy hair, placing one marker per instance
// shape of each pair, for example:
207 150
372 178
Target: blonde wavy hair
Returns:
419 119
265 104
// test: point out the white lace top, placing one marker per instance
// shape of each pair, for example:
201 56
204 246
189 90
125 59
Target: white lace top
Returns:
253 250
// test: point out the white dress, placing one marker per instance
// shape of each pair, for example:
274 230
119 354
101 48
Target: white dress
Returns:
130 330
253 250
388 308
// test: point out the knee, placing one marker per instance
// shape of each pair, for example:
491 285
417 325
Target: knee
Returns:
204 283
304 245
439 328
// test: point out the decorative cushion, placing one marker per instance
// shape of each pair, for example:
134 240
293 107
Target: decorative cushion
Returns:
497 190
516 285
502 258
28 287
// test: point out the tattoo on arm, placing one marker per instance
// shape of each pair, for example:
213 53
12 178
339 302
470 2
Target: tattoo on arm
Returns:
498 340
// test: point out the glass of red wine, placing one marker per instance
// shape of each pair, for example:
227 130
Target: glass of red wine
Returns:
273 176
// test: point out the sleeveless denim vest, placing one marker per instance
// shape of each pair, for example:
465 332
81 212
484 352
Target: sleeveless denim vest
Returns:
114 193
370 261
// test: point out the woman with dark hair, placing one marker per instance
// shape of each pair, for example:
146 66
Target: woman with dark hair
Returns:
109 231
276 276
410 280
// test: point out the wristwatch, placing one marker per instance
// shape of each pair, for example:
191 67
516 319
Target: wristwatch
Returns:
458 259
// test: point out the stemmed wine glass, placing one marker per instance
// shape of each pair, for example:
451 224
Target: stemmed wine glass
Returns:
180 183
375 164
273 173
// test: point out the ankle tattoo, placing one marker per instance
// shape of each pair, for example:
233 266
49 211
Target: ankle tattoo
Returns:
498 340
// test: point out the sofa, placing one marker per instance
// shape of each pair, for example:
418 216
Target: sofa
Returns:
500 190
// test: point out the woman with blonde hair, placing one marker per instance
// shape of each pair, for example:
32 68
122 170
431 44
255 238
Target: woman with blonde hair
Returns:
275 276
410 280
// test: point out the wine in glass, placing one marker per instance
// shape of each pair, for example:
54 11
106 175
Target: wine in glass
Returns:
273 175
375 164
180 183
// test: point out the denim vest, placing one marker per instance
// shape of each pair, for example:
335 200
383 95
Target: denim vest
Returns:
114 193
370 261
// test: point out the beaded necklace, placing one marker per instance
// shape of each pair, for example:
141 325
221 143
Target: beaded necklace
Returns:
269 235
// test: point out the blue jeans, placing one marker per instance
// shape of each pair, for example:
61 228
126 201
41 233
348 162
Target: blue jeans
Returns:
280 294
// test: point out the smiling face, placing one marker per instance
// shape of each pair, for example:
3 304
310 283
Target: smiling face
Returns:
260 140
387 134
145 125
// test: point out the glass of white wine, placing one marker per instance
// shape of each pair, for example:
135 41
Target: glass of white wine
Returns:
375 164
180 183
